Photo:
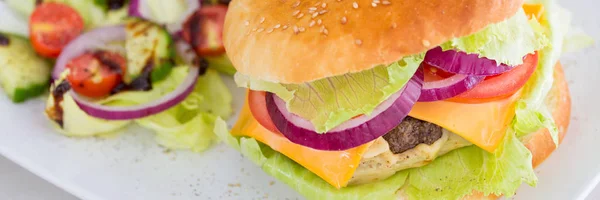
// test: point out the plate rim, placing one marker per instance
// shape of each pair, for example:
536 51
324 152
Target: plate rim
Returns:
46 175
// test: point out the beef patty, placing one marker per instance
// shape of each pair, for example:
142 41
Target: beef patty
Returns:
410 133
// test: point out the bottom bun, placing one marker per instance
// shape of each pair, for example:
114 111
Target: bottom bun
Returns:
540 143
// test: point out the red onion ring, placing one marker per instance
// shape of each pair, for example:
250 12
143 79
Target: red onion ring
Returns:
139 111
462 63
448 87
94 39
354 132
134 9
139 8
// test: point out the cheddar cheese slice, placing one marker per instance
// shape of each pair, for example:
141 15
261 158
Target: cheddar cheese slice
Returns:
482 124
335 167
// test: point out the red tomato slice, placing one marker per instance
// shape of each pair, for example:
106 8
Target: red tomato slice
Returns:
204 30
500 86
258 107
96 74
52 26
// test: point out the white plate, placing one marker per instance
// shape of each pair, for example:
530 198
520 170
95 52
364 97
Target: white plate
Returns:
134 167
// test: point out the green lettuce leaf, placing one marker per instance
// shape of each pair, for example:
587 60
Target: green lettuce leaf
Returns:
531 112
189 125
195 134
451 176
299 178
506 42
329 102
459 172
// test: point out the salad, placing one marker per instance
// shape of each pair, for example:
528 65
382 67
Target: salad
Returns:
108 64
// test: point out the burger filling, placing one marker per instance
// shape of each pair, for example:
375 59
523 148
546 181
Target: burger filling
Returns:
413 143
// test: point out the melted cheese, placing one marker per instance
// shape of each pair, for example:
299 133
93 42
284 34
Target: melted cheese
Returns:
335 167
482 124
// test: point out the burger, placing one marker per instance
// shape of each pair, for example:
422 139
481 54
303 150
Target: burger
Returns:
386 99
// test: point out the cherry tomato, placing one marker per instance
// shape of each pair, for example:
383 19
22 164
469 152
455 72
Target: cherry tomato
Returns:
500 86
96 74
258 107
52 26
204 30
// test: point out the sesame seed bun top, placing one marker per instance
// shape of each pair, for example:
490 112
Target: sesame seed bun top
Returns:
297 41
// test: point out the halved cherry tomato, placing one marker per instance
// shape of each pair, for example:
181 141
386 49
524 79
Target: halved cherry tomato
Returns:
258 107
52 26
96 74
204 30
500 86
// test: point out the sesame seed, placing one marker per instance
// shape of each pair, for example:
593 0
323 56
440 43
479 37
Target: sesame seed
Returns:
324 5
344 20
296 4
284 27
319 21
374 5
300 15
270 30
246 23
314 15
358 42
295 28
277 26
260 30
312 23
312 8
295 12
254 29
322 12
355 5
326 32
262 19
318 3
302 29
385 2
426 43
322 29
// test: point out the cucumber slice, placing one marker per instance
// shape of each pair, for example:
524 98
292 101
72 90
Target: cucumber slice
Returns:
23 74
148 45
